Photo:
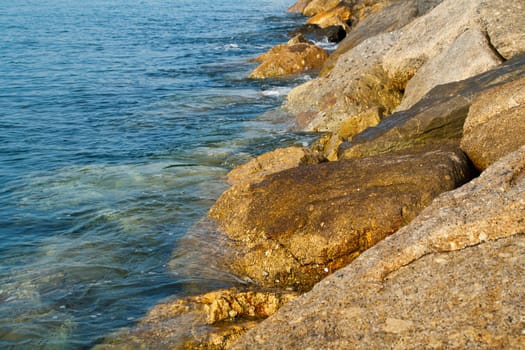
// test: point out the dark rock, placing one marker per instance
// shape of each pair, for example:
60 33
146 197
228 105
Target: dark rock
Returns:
314 32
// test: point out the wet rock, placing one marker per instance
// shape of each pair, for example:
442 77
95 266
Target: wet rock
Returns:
296 56
452 278
337 16
209 321
268 163
495 124
297 226
438 117
386 19
314 32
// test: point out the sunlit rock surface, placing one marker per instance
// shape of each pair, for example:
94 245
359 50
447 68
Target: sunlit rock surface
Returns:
299 225
453 278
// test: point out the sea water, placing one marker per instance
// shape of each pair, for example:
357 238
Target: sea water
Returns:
118 122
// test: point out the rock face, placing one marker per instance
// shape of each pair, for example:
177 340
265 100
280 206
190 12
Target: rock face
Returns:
386 19
453 278
439 116
469 55
317 6
297 56
495 124
297 226
356 84
425 49
199 322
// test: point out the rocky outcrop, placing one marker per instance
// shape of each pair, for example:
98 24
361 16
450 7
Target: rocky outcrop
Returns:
428 46
199 322
297 226
495 124
296 56
452 278
438 117
387 19
356 85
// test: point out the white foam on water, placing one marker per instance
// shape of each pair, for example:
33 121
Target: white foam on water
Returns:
277 91
326 44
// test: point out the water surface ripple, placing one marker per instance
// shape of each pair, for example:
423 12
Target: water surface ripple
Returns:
118 122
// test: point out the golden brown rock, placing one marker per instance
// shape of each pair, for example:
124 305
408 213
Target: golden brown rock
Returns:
297 226
454 278
317 6
337 16
209 321
297 56
299 6
495 124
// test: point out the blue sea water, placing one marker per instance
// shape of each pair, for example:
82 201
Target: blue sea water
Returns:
118 122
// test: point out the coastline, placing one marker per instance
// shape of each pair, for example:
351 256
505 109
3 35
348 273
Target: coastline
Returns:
410 116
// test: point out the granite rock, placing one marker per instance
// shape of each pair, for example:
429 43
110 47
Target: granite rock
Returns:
453 278
437 117
495 124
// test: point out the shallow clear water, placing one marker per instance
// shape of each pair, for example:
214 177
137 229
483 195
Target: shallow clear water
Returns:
118 122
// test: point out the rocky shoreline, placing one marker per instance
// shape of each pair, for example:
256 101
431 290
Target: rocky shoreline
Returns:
403 226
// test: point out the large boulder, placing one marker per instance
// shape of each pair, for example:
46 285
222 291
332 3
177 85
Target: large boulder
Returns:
439 116
430 46
356 85
386 19
297 226
296 56
299 6
453 278
495 124
469 55
208 321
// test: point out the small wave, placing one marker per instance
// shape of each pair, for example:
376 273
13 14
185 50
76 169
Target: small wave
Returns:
277 91
326 44
232 46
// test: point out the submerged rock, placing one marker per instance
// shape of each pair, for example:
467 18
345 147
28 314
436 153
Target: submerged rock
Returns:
296 56
209 321
438 117
297 226
495 124
453 278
